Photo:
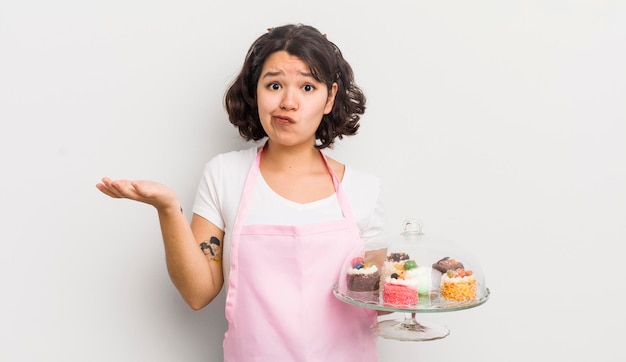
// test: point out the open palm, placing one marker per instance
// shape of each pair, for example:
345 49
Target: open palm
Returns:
149 192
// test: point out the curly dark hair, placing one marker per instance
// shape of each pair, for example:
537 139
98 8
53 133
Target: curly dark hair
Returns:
327 66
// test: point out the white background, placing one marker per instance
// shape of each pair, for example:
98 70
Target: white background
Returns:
500 124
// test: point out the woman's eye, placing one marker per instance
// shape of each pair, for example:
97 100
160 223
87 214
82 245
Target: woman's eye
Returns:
308 88
274 86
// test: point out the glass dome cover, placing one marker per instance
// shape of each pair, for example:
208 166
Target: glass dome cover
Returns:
412 273
418 273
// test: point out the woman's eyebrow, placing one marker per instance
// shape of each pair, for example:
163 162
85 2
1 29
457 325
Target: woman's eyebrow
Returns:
276 73
271 74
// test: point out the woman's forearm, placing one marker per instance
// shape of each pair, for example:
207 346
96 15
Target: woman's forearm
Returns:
197 279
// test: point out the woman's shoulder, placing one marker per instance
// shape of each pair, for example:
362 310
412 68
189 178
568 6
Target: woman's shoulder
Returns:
365 192
233 158
356 174
243 154
353 174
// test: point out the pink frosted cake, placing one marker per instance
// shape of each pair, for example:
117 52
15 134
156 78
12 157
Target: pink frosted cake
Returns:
400 288
400 292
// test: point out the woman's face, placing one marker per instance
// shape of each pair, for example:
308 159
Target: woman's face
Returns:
291 102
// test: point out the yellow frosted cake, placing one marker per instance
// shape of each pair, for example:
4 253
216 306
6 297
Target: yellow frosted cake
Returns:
458 285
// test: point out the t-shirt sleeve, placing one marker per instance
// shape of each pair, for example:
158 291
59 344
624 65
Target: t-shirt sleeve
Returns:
372 234
366 195
219 190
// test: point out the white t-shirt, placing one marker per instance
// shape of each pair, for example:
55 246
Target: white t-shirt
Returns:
221 186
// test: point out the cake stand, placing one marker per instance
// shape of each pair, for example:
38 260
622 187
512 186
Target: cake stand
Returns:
409 329
413 244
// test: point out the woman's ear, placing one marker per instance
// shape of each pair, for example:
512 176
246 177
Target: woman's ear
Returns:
331 99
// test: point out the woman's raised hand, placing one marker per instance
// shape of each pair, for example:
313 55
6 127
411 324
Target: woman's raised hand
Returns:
149 192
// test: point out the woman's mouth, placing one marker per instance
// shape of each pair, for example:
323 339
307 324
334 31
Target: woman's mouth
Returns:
283 120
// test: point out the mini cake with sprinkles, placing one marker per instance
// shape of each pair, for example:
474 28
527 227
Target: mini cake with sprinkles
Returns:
458 285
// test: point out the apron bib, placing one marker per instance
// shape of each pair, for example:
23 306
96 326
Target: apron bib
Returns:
280 306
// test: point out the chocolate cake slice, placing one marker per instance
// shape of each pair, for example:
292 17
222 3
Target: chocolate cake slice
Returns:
446 264
398 257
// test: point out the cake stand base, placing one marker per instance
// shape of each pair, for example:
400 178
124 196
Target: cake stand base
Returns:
409 329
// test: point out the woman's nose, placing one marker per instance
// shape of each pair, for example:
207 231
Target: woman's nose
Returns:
289 101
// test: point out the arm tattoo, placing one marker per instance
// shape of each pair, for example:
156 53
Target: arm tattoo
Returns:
212 249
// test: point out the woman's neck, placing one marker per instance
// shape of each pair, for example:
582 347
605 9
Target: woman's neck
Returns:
298 174
294 160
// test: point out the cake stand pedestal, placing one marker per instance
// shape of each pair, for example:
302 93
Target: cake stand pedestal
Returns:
408 328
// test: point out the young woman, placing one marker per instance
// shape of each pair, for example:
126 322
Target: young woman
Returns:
275 223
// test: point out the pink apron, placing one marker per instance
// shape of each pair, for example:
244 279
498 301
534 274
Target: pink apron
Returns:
280 306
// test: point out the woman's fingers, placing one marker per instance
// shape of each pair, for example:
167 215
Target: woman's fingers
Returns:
148 192
117 189
105 190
